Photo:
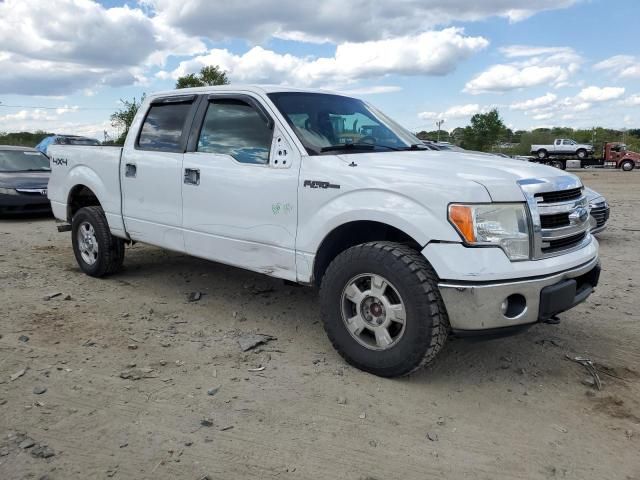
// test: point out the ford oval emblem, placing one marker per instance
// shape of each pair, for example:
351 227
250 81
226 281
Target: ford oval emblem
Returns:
580 214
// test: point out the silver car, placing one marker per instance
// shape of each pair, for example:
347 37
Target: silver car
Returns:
599 210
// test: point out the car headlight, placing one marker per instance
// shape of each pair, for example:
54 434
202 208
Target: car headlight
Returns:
8 191
503 225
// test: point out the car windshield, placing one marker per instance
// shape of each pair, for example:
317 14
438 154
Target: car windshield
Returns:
23 161
77 141
326 124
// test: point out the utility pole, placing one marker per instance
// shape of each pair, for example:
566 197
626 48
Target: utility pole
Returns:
439 124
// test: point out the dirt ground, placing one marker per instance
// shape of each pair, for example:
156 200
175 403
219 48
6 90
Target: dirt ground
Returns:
143 384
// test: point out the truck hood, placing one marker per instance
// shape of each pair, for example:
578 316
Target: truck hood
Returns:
498 175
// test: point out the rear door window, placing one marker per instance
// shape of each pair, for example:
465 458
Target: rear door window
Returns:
164 126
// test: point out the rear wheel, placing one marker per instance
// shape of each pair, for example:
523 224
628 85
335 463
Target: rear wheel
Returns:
557 164
582 154
382 309
627 165
97 252
542 154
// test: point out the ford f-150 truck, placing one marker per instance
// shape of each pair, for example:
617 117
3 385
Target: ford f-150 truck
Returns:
563 146
406 245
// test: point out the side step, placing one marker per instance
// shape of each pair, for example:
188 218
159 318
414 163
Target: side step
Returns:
63 227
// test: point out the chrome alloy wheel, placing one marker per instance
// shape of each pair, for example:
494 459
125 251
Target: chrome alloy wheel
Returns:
88 243
373 311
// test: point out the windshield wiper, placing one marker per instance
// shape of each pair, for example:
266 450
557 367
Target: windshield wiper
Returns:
355 146
416 146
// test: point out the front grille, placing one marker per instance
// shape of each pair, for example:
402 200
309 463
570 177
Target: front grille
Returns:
563 243
559 196
555 220
601 214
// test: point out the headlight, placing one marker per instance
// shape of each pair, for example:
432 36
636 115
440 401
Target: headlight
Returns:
8 191
503 225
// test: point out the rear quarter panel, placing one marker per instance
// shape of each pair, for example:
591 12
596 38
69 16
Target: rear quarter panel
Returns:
97 168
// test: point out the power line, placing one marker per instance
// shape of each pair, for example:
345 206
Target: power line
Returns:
66 107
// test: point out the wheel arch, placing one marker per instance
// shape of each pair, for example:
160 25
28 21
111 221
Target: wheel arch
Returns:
353 233
80 196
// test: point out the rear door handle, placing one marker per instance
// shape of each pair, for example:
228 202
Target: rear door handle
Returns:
192 176
130 170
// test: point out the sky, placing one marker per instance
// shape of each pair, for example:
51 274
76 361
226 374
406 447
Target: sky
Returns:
65 64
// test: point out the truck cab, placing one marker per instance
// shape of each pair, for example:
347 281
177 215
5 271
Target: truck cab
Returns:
617 155
406 245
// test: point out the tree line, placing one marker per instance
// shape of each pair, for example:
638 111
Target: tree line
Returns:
487 132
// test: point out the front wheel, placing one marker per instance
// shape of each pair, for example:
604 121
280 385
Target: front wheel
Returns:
382 309
627 165
97 252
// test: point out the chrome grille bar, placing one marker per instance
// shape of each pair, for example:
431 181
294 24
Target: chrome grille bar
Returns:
556 240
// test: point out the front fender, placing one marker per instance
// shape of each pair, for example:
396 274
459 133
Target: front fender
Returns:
390 208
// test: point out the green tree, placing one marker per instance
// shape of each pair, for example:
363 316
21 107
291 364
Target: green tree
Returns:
484 132
208 76
123 118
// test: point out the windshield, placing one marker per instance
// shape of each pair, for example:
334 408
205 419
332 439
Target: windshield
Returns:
23 161
327 123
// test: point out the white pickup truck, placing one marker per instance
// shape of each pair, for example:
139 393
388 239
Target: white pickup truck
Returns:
406 245
562 146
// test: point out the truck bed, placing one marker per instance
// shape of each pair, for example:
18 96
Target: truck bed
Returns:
95 167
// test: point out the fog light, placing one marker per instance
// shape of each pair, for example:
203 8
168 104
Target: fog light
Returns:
513 306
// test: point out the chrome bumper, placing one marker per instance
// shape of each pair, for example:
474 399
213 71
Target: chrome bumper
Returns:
476 306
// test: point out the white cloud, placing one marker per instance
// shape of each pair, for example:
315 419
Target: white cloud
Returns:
543 116
462 111
80 44
625 66
633 100
454 112
335 20
600 94
429 53
429 115
538 102
530 66
502 78
373 90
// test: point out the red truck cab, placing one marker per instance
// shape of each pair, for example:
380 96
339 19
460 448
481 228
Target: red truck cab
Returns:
616 154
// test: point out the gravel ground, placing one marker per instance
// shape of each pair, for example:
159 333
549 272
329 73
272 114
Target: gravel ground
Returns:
126 378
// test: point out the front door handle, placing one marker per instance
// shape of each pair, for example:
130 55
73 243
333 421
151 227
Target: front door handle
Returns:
130 170
192 176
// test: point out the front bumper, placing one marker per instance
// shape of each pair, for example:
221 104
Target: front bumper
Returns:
16 204
476 307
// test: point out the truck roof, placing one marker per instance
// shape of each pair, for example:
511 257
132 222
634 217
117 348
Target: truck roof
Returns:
261 89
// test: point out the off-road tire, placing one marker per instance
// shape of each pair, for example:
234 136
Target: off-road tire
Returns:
110 249
626 165
542 154
426 324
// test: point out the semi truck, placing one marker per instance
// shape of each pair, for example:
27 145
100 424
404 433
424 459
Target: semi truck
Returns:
406 246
